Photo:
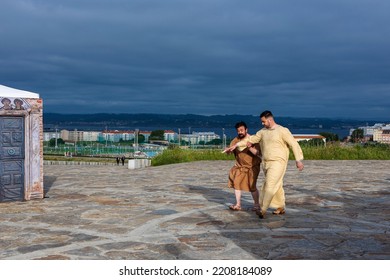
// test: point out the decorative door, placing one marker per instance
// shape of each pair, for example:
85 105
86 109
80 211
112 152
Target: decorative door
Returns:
11 158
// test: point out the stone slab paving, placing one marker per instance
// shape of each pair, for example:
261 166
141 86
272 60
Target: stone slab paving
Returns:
335 210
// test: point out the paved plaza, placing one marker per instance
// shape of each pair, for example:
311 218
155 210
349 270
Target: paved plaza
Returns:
335 210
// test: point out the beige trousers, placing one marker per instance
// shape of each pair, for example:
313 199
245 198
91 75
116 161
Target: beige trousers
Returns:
272 192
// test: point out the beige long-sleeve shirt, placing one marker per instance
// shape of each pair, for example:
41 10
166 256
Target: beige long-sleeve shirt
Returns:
275 144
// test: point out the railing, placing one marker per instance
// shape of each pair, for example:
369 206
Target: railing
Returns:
99 151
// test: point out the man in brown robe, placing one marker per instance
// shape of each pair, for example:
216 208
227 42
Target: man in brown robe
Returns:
243 175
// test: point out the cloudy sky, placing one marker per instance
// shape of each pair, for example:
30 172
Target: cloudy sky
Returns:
306 58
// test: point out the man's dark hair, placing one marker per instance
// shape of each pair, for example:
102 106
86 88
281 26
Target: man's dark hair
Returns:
239 124
266 114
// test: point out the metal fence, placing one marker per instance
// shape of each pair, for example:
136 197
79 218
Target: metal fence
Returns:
99 150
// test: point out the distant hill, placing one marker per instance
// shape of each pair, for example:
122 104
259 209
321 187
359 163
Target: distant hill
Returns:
186 120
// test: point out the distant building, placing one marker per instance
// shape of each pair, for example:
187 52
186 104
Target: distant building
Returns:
47 135
379 132
307 137
170 135
146 134
72 135
125 135
368 130
90 136
65 134
116 135
95 136
382 135
196 137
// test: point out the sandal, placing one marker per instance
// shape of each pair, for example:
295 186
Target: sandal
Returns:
235 207
279 211
261 214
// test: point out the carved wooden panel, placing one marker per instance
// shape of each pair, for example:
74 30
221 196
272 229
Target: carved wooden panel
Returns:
11 158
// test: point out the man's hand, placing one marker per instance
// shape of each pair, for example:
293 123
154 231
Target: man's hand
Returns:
249 144
230 149
300 165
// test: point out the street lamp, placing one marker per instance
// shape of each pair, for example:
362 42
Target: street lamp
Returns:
56 137
179 137
136 139
75 141
106 135
223 138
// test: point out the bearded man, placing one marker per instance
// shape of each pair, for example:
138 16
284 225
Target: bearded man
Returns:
243 175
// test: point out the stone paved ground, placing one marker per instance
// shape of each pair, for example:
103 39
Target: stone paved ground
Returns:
335 210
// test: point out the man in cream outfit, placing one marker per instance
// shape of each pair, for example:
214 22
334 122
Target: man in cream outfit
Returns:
275 142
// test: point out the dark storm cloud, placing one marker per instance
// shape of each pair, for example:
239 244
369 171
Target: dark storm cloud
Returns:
297 58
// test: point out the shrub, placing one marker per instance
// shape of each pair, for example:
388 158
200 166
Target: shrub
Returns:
171 156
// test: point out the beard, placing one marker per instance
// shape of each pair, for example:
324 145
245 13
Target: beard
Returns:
240 135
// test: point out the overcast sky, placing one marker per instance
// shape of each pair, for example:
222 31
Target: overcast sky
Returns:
306 58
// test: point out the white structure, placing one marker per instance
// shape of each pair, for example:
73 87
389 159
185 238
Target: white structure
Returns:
125 135
307 137
116 135
17 93
21 149
170 135
196 137
106 135
139 163
50 135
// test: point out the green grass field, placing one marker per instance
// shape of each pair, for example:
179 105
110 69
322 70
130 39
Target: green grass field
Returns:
330 152
353 152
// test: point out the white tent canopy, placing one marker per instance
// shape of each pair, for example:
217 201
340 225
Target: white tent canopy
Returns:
12 92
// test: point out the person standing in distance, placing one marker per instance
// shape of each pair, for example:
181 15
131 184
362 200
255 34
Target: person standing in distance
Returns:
275 143
243 175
